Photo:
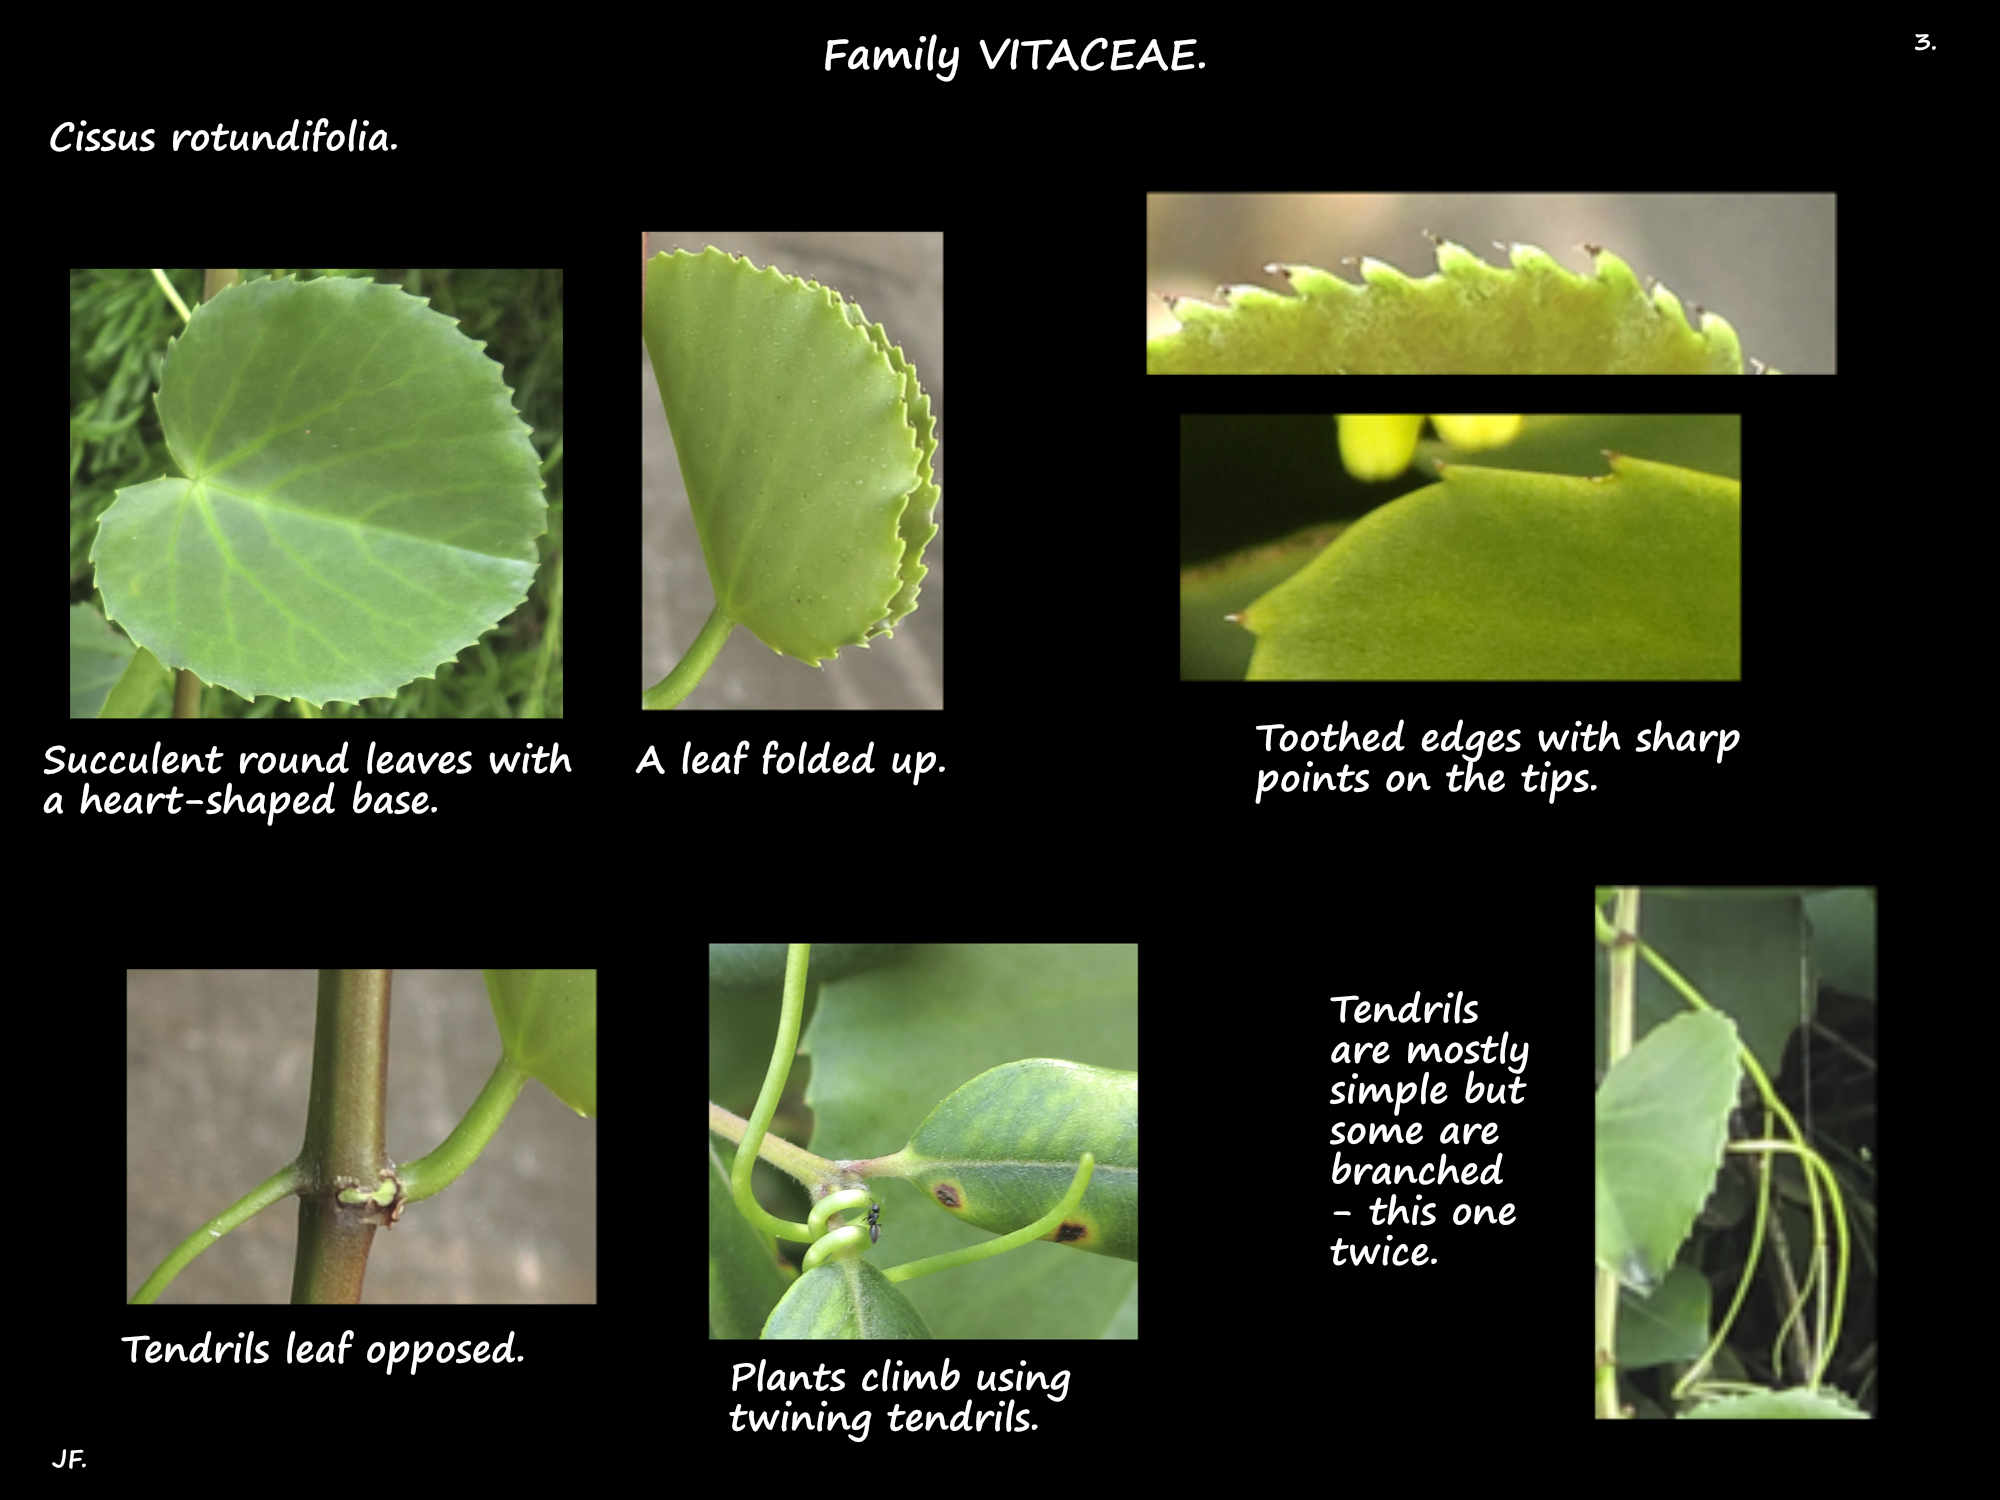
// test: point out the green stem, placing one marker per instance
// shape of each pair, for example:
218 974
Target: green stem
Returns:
1618 1042
280 1184
187 695
343 1132
551 641
432 1174
803 1166
677 684
166 286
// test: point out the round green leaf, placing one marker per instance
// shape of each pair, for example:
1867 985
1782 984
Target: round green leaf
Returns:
548 1026
806 444
361 500
1662 1119
846 1298
1498 575
1000 1150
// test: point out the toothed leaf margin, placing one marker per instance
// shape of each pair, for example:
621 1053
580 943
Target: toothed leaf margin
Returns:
1537 318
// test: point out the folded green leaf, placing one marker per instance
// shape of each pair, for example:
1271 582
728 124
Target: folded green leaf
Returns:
361 500
807 447
1469 318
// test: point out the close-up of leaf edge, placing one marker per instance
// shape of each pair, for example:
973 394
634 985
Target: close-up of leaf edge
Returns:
1495 574
1536 317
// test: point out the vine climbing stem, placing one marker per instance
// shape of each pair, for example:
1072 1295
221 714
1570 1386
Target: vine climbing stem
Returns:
344 1135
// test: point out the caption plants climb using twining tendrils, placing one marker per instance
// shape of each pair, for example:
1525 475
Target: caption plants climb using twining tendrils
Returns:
357 500
1735 1174
1024 1150
808 448
1535 317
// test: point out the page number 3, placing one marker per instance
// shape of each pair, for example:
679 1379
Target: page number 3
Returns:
1924 43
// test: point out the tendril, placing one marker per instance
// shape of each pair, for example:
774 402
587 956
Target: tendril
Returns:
842 1240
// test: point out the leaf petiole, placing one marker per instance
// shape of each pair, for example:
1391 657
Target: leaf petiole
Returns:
693 665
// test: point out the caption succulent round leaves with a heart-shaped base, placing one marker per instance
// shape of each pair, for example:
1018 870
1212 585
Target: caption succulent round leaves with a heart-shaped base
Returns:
1000 1151
361 500
807 448
844 1299
548 1027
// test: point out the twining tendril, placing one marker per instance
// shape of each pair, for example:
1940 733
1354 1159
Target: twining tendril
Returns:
1000 1244
842 1240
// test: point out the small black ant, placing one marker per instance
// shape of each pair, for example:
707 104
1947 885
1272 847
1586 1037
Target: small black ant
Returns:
874 1223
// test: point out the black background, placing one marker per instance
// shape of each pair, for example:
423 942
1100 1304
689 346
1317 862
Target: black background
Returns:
1087 793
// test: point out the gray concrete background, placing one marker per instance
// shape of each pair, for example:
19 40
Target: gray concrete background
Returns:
1765 261
218 1064
899 281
